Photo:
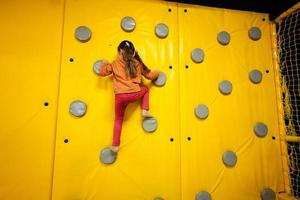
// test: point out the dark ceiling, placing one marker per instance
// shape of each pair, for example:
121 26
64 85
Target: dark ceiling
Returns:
273 7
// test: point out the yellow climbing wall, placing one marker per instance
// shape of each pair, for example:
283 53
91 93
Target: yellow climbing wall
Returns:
231 119
184 155
30 52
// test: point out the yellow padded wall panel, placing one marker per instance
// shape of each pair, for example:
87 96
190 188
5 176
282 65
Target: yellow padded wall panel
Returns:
148 164
232 117
30 59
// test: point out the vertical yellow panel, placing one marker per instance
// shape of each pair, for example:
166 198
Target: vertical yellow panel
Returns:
30 57
231 119
280 112
148 165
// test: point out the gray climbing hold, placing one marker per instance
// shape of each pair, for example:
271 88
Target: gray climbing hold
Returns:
149 124
158 198
161 30
260 129
229 158
255 76
225 87
78 108
197 55
203 195
96 66
268 194
161 79
83 34
201 111
254 33
128 24
223 38
107 156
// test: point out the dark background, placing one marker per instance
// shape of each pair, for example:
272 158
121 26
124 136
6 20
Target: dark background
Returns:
273 7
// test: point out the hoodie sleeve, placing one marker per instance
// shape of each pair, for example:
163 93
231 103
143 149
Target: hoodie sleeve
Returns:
151 75
105 69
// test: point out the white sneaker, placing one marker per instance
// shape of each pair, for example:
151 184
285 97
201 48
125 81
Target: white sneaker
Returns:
145 113
114 148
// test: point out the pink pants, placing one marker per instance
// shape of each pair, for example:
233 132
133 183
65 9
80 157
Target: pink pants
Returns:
121 102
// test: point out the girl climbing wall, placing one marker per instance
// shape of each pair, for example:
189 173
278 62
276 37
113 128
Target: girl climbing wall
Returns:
127 71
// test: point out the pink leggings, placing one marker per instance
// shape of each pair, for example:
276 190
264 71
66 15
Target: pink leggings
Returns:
121 102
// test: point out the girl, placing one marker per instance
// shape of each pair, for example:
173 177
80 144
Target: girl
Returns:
127 72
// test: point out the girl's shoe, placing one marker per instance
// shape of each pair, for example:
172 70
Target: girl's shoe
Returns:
115 149
145 113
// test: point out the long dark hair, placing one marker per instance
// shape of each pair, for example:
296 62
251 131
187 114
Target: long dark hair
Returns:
129 54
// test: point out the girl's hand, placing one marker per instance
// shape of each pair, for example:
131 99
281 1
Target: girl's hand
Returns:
158 72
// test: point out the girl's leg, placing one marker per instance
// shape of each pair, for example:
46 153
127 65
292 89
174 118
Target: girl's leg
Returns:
145 98
120 107
143 94
145 102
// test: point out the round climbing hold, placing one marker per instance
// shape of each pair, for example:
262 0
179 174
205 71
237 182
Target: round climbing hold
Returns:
149 124
260 129
229 158
161 30
83 34
201 111
107 156
158 198
268 194
203 195
255 76
161 79
78 108
128 24
96 66
254 33
223 38
225 87
197 55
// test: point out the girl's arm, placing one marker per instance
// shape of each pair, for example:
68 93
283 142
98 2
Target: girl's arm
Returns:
105 69
151 75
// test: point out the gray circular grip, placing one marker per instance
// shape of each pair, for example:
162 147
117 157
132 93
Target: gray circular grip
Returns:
161 30
161 79
197 55
255 76
78 108
128 24
201 111
268 194
149 124
107 156
203 195
254 33
260 129
225 87
96 66
83 34
223 38
229 158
